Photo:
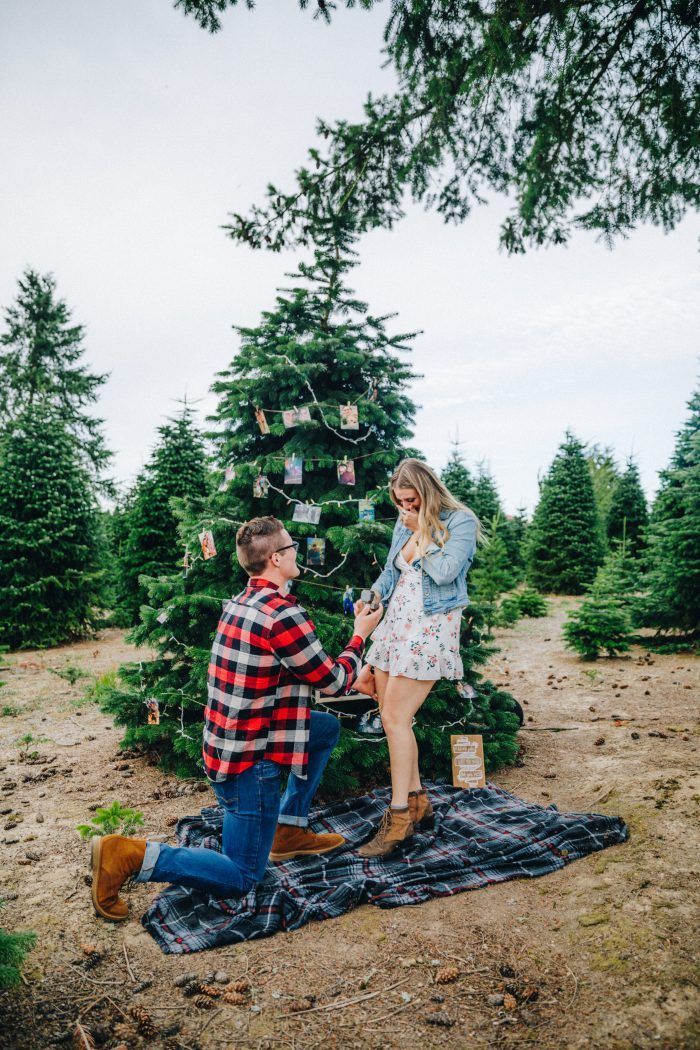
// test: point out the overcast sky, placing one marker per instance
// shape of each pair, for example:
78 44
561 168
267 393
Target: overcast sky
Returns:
128 135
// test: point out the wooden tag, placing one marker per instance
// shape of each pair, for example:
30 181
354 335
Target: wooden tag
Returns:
468 762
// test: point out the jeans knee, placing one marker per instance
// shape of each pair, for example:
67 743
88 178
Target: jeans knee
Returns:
325 729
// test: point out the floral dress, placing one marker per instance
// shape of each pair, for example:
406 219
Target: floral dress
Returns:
408 642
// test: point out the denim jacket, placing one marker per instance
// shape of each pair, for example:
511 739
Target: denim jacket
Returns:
443 569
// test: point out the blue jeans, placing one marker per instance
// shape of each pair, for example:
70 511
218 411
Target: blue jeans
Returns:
252 810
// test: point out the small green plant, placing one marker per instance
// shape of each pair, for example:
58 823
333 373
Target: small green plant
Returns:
508 612
26 739
13 948
592 674
8 711
113 820
101 687
70 673
599 625
532 603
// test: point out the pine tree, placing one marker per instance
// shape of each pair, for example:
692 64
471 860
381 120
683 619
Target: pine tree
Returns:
515 538
177 470
605 476
603 621
283 363
486 501
50 566
627 516
493 575
673 537
458 479
13 948
40 363
565 545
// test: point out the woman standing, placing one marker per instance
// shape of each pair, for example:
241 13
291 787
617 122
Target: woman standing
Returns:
423 588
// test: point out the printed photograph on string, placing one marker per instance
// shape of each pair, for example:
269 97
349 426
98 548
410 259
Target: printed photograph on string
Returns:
292 416
365 510
315 550
206 540
293 470
153 712
346 472
308 512
261 486
349 417
262 421
229 475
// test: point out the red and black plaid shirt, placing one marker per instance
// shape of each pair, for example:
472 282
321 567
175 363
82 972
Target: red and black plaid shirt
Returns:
265 663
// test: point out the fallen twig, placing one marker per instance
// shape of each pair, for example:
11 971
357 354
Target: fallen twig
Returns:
128 964
348 1002
208 1022
548 729
383 1017
84 1038
569 1005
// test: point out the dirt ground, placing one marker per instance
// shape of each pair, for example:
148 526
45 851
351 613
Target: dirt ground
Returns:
600 954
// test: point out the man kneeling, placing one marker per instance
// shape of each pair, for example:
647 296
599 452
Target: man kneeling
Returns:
265 661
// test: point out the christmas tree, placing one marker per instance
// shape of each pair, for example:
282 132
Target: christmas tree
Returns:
13 948
627 516
565 545
515 538
672 583
605 477
313 415
150 546
50 567
40 363
457 477
492 576
603 621
486 503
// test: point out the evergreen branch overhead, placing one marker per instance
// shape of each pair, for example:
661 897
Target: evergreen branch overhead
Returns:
584 113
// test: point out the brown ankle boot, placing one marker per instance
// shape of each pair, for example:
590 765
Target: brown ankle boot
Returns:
421 809
114 859
395 828
291 841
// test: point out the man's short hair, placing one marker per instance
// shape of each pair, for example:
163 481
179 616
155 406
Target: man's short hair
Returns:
256 541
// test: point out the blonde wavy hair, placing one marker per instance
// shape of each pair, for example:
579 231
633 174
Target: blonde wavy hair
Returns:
434 498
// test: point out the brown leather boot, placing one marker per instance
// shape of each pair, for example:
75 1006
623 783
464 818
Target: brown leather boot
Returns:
114 858
291 841
421 809
395 828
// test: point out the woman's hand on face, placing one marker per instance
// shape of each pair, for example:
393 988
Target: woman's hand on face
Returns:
410 519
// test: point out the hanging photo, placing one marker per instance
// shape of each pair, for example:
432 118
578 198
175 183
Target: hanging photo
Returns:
186 562
346 472
292 416
466 691
163 616
365 509
348 603
262 421
293 470
229 475
261 486
374 390
206 540
309 512
153 712
315 551
349 418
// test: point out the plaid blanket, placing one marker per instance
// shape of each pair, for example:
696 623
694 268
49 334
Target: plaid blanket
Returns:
480 837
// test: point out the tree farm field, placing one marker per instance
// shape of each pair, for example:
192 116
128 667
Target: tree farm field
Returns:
599 954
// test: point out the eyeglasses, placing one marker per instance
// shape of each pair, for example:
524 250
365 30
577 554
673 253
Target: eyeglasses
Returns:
295 544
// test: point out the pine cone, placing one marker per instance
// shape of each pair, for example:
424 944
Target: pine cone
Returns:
92 960
232 998
447 974
144 1021
211 990
241 986
299 1005
509 1001
193 988
203 1002
440 1018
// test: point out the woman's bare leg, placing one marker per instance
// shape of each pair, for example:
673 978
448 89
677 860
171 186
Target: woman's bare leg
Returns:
402 698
